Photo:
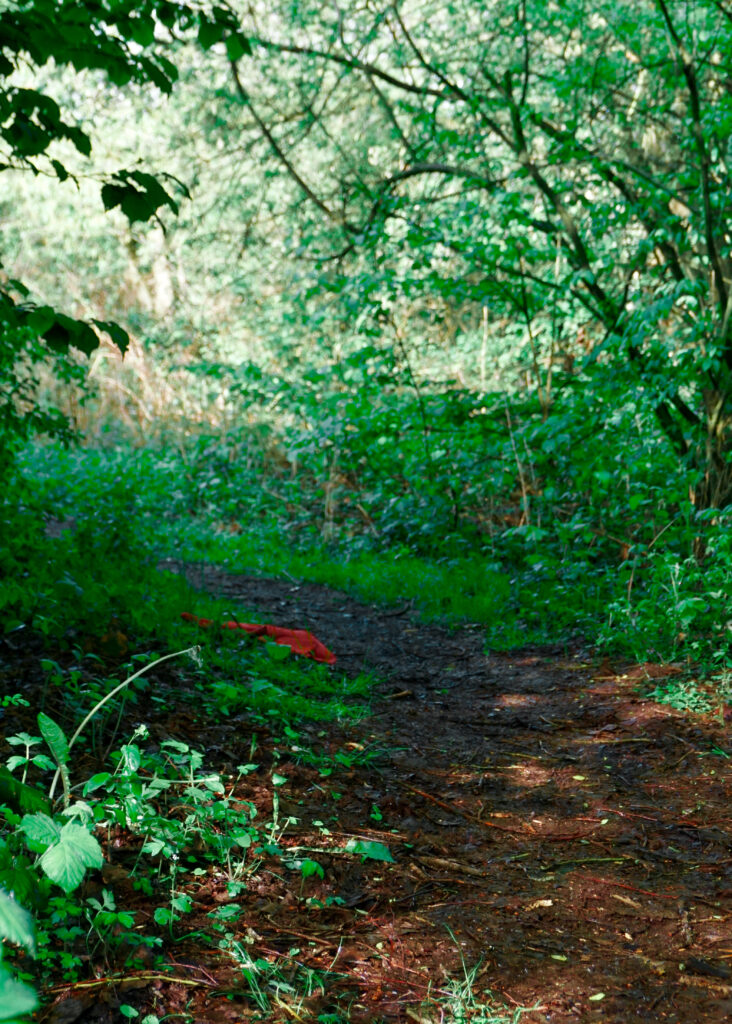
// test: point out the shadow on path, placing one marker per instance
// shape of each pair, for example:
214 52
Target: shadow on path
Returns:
566 837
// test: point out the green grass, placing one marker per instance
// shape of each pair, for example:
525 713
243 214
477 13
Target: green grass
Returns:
133 507
141 500
100 578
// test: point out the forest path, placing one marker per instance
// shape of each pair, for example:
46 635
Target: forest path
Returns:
566 837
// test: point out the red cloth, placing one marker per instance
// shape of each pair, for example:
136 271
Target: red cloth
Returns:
300 641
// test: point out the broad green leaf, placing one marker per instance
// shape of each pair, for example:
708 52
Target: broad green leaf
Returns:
16 924
142 29
40 829
66 331
237 46
370 849
16 998
242 838
40 319
210 33
67 860
310 867
96 782
277 652
118 335
163 915
20 879
21 797
54 736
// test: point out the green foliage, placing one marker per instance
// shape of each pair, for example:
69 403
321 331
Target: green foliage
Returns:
568 541
124 41
16 998
370 850
428 302
66 851
24 410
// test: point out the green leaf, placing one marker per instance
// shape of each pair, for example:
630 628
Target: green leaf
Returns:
210 33
163 915
118 335
20 879
142 30
112 195
237 46
370 849
61 172
16 999
40 319
311 867
277 652
66 861
16 924
243 839
40 830
66 331
182 902
21 797
96 782
54 736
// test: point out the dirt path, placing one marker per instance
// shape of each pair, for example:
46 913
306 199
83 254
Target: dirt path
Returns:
568 838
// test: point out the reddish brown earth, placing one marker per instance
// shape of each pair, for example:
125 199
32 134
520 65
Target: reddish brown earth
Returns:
550 828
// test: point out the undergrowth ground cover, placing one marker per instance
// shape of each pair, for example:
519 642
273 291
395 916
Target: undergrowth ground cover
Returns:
90 615
96 541
617 572
235 839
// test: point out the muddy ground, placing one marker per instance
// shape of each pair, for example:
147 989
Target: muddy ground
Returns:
564 839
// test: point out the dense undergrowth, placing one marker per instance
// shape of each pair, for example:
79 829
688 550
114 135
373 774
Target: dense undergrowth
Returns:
572 528
485 512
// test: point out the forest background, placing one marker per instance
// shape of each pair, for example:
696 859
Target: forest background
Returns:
445 282
431 301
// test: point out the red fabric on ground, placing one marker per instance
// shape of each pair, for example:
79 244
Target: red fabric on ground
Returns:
300 641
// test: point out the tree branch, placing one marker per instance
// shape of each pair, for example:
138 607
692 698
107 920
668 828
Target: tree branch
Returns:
349 62
282 156
689 72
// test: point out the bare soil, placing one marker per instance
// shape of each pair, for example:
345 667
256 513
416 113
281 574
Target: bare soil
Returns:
550 827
